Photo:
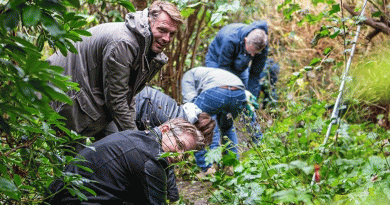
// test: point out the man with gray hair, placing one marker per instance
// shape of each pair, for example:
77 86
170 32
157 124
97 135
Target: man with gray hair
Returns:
235 46
242 49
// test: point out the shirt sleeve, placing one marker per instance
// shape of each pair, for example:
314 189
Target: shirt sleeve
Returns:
117 64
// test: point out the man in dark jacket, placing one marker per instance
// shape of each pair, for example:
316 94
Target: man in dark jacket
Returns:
235 46
126 165
113 65
154 107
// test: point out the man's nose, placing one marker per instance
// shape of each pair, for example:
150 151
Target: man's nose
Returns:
167 37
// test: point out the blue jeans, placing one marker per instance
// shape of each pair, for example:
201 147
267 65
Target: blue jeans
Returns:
223 105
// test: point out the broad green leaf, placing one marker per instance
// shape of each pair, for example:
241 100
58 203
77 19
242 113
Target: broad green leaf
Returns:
9 188
11 19
78 24
31 16
127 4
74 3
187 12
327 50
335 9
314 61
17 180
51 25
216 18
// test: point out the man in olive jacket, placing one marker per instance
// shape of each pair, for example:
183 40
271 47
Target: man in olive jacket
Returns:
113 65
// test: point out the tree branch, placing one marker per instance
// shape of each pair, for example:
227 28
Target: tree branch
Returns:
369 21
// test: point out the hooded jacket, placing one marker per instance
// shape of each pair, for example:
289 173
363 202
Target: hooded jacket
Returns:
155 107
126 170
111 67
227 51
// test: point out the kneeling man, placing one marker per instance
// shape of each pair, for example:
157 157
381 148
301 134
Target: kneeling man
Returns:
126 165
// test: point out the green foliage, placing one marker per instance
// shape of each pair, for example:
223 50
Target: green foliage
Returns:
369 78
34 139
280 170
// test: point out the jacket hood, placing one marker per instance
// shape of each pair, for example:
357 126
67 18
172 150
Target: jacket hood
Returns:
255 25
138 22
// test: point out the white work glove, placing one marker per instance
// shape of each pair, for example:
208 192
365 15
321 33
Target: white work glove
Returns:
192 111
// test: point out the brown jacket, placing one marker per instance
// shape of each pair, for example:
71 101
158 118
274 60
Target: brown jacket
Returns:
111 67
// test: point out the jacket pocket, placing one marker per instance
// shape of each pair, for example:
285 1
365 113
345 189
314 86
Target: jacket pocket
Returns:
81 114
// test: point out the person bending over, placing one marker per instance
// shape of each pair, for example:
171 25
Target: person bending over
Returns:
221 94
126 165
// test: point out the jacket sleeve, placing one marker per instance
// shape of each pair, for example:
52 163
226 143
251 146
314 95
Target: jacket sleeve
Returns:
156 183
258 64
189 86
173 192
117 62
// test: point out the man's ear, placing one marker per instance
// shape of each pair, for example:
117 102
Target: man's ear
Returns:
165 128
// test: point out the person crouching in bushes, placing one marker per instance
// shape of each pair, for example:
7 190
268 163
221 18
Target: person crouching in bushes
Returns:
126 167
221 94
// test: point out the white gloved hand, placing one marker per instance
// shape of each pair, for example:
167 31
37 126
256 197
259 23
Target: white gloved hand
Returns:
192 111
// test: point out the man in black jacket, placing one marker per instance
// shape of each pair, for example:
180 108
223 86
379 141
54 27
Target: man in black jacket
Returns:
126 165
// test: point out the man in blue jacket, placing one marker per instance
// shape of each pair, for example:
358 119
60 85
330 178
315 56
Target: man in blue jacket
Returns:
235 46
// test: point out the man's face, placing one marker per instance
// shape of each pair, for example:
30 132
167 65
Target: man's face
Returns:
163 29
182 143
250 49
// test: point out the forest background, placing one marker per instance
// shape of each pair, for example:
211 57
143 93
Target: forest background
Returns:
311 40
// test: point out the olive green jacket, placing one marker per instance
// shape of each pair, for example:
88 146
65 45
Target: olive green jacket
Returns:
111 67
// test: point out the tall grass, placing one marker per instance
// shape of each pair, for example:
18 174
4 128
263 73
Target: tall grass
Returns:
371 77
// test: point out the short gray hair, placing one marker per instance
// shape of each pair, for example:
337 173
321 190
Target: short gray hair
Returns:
258 38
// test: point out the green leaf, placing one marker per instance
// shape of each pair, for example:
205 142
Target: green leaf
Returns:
314 61
84 168
327 50
11 19
376 14
78 24
187 12
71 47
88 190
31 16
17 180
127 4
9 188
216 18
51 25
335 9
82 32
74 3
